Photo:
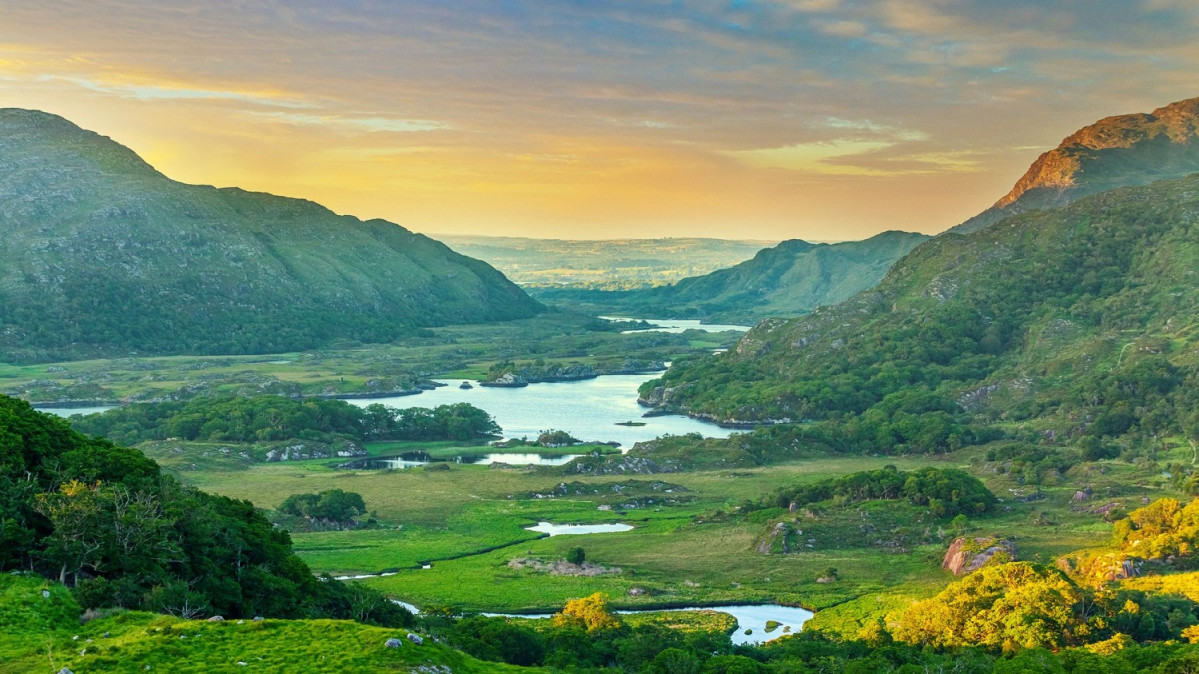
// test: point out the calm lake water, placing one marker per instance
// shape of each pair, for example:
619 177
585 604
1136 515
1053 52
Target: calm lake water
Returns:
68 411
411 459
587 409
576 529
751 617
677 325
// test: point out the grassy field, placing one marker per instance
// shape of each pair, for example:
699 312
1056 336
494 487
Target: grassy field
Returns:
688 545
45 634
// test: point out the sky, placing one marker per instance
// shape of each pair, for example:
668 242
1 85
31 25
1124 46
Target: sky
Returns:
815 119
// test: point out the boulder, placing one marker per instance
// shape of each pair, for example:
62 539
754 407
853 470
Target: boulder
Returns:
967 555
257 618
415 638
393 643
216 619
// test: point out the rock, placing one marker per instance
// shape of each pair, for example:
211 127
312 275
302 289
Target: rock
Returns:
257 618
636 591
393 643
969 555
64 670
415 638
216 619
45 594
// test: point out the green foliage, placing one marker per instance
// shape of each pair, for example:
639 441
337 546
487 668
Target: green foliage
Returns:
945 491
576 556
270 417
103 519
1161 529
1004 607
334 505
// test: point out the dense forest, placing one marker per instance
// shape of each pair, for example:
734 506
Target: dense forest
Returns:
269 417
104 520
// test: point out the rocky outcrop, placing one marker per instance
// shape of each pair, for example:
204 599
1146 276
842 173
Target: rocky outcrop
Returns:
967 555
1120 151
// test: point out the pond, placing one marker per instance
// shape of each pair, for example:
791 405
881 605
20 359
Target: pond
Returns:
750 617
589 409
576 529
676 325
68 411
411 459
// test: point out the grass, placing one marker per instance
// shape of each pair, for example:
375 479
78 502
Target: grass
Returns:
46 634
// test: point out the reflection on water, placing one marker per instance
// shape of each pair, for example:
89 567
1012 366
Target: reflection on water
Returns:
588 409
68 411
575 529
412 459
677 325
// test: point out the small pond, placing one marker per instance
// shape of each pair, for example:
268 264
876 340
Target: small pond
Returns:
576 529
750 617
69 411
412 459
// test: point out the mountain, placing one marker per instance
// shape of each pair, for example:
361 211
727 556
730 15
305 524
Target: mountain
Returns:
103 255
791 278
1118 151
1077 320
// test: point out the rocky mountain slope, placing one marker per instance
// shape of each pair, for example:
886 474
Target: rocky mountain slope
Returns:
1124 150
103 255
791 278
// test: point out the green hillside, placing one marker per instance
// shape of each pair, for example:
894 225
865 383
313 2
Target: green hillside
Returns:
1084 319
791 278
105 256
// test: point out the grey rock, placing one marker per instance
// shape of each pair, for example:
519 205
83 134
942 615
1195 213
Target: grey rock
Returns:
393 643
415 638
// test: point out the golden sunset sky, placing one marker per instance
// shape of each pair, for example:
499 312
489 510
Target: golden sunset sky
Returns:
814 119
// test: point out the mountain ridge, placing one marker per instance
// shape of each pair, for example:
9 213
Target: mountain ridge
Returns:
790 278
105 255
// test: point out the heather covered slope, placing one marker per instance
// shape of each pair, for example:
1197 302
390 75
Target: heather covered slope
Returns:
1084 319
103 255
789 279
1119 151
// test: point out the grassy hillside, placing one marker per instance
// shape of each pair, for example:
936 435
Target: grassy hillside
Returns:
791 278
1062 315
43 631
103 255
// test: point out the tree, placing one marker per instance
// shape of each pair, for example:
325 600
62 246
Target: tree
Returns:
591 613
576 556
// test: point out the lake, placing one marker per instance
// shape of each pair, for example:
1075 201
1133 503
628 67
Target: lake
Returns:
676 325
587 409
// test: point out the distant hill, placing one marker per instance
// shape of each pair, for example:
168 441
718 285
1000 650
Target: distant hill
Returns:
105 256
789 279
1080 320
609 264
1119 151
